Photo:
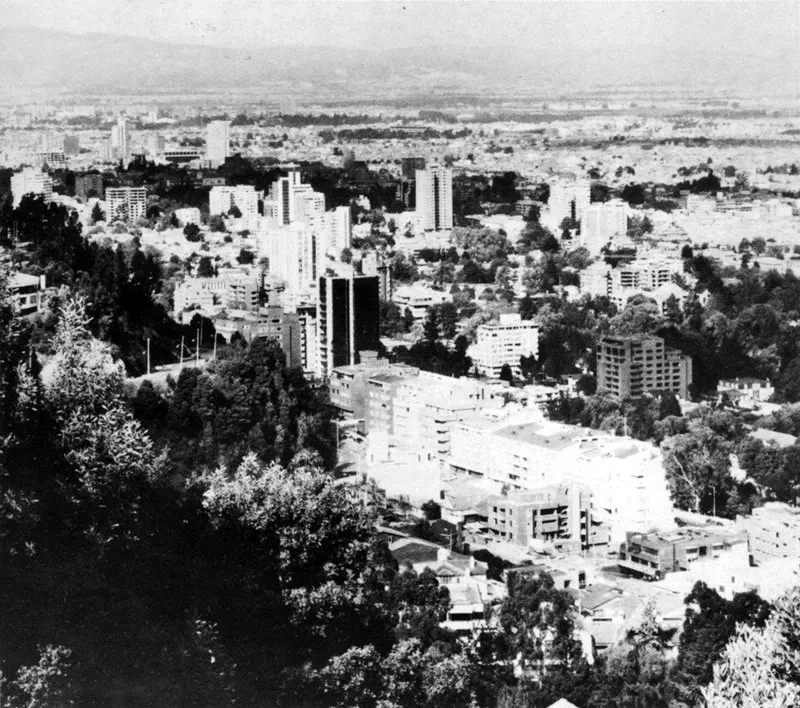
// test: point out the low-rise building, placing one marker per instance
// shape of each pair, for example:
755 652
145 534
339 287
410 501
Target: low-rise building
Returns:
211 295
746 390
188 215
267 323
26 292
654 555
417 299
773 531
471 594
559 514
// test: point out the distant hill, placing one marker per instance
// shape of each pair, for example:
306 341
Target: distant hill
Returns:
34 58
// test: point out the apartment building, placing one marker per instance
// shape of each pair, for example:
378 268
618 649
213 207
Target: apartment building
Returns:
218 142
631 366
569 199
434 193
654 555
268 323
244 197
125 203
88 186
349 312
603 222
626 476
773 531
31 181
503 343
559 514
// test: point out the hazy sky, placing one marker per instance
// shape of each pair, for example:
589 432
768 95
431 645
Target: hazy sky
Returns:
738 28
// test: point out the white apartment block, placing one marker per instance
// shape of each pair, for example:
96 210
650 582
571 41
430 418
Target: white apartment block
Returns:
773 531
188 215
282 194
125 203
338 228
569 199
244 197
218 141
294 255
625 476
426 406
434 191
601 223
31 181
120 141
504 342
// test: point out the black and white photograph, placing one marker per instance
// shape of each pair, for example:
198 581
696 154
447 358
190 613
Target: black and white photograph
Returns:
399 354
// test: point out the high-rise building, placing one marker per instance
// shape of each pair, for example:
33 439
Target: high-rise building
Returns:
568 200
630 366
31 181
503 343
434 190
244 197
120 142
72 145
410 165
602 222
349 316
125 203
88 186
338 228
282 194
294 255
218 141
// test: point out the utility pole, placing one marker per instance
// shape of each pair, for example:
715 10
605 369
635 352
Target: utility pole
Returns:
197 348
215 346
182 352
148 356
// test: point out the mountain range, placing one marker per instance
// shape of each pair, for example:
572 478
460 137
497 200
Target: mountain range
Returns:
45 59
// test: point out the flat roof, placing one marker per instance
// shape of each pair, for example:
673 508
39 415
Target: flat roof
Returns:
538 434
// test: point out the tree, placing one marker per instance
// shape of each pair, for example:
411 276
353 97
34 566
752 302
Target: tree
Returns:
205 268
696 462
192 233
173 221
346 256
538 623
245 257
506 374
235 212
710 622
46 683
430 329
448 319
97 213
432 510
217 223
